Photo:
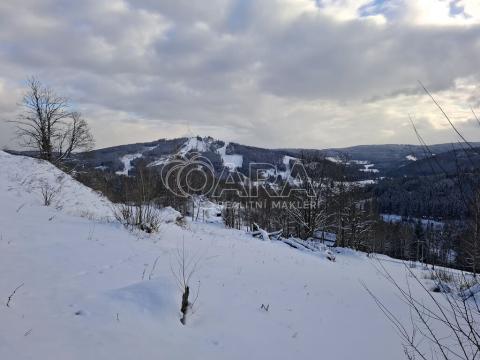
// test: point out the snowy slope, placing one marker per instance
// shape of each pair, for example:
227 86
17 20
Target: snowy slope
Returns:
233 161
127 163
193 144
26 178
89 289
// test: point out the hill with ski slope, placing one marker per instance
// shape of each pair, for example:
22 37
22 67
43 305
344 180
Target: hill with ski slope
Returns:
366 161
80 286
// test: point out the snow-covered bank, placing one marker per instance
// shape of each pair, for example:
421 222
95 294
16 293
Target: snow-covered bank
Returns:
26 178
89 289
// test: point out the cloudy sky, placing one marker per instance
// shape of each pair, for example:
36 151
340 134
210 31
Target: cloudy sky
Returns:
276 73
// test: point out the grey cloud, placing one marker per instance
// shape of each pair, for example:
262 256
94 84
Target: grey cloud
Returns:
234 69
316 58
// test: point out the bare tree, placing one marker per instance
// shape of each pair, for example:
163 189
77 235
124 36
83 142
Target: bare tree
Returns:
48 125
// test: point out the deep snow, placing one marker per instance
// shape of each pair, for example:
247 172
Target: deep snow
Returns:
91 290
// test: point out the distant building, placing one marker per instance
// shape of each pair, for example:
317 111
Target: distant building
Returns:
328 238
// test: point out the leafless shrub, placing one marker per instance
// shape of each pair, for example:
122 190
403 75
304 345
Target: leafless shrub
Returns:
445 276
143 217
442 275
186 265
442 326
465 283
48 193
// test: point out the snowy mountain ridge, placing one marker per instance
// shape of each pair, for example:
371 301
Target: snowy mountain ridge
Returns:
381 159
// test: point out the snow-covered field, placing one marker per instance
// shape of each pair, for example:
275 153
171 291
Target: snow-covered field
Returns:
89 289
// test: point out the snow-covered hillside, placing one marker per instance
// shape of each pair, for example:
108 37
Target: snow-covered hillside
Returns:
27 179
86 288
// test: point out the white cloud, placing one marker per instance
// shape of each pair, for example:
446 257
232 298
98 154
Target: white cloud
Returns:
248 70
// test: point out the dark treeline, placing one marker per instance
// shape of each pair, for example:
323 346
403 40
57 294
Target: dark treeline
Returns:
437 197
